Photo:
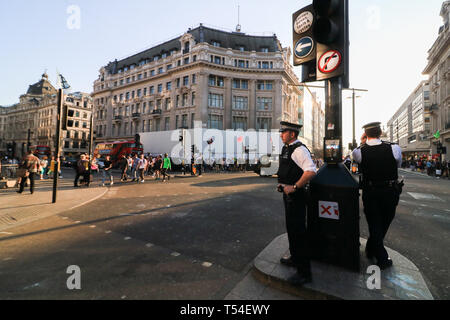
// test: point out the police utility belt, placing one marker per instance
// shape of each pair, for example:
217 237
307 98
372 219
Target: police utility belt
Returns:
397 185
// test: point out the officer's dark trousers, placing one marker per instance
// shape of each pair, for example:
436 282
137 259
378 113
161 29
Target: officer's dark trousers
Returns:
295 209
379 208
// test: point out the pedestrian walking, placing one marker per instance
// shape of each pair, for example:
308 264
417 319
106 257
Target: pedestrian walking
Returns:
296 170
157 168
44 165
123 165
107 171
31 166
141 166
166 166
379 162
79 170
134 167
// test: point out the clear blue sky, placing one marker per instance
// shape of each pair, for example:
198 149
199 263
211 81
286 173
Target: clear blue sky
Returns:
389 41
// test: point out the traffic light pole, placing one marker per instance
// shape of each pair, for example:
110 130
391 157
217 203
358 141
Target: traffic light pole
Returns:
333 117
57 144
91 143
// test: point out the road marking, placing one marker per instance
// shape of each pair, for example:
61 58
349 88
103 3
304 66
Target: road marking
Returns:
207 264
92 227
8 233
175 254
149 245
89 201
127 238
424 196
8 259
64 218
108 232
76 222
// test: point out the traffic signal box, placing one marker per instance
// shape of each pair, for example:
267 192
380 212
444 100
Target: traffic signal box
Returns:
321 40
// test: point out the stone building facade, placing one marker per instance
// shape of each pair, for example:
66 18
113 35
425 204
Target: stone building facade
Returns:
438 70
33 121
226 80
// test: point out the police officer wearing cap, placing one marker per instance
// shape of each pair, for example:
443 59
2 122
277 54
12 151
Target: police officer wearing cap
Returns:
379 162
295 171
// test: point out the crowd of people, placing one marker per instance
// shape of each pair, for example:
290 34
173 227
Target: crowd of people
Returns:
432 167
133 168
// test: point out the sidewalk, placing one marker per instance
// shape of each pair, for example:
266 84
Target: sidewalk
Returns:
403 281
18 209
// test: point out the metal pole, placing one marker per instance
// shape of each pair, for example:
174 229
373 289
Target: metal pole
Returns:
91 142
57 143
333 114
353 110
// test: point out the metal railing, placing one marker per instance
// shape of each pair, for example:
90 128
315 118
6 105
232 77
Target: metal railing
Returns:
8 171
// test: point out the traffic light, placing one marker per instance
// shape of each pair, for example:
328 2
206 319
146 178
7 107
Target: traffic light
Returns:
137 138
330 31
180 139
193 149
321 41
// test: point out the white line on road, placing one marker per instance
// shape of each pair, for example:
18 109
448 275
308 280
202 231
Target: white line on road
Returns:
207 264
108 232
89 201
92 227
175 254
149 245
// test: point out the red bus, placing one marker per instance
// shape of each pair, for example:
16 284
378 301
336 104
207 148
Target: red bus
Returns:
117 149
41 151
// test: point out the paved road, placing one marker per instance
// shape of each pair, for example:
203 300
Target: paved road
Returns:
192 238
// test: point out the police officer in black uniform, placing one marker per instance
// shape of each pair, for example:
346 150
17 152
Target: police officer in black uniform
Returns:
295 171
378 161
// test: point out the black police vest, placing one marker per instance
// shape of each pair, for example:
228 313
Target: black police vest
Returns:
378 163
289 172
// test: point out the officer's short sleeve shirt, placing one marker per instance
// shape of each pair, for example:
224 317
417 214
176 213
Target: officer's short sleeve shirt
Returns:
396 151
302 158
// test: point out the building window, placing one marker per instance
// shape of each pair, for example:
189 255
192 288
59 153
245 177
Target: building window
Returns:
159 88
265 49
240 103
216 44
176 121
139 92
263 123
264 85
158 104
192 120
177 104
160 70
185 99
186 81
215 100
186 60
193 99
184 119
152 73
168 104
264 104
239 123
194 78
169 86
215 122
167 124
216 81
152 90
240 84
158 124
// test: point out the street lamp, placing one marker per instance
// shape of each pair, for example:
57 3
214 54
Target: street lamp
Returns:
353 97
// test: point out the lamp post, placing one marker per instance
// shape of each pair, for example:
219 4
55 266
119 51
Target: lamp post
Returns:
353 97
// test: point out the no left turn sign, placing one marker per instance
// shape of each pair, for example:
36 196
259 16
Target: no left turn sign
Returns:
329 61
